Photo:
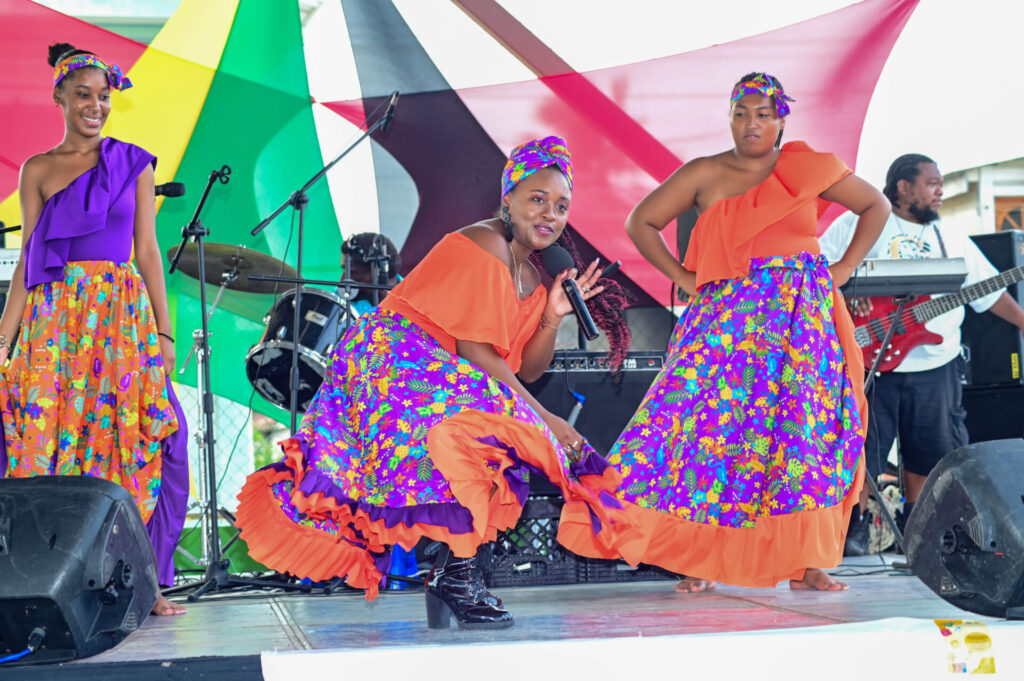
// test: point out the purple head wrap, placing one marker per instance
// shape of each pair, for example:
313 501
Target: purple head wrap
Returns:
528 158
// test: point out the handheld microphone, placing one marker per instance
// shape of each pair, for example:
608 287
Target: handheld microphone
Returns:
610 270
389 114
170 189
555 260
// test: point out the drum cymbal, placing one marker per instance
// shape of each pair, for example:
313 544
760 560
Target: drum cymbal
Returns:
224 258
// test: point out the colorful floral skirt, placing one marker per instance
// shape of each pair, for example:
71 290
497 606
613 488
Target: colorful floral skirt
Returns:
405 440
746 451
85 393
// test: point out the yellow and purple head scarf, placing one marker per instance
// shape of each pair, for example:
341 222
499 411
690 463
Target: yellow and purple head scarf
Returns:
762 84
528 158
117 79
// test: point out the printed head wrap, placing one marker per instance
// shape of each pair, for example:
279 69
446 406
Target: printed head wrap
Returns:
115 77
762 84
528 158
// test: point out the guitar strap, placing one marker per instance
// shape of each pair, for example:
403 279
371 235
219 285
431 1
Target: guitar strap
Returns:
942 245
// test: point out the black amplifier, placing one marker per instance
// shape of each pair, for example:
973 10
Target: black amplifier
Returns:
608 401
996 346
586 360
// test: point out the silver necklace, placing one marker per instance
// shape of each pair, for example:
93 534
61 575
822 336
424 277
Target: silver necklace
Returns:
516 270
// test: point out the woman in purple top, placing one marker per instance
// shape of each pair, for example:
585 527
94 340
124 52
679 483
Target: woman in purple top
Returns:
86 389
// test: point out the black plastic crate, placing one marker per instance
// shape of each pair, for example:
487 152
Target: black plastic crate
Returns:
530 555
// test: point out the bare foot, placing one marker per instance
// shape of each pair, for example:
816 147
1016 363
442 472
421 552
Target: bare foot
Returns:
165 607
816 579
692 585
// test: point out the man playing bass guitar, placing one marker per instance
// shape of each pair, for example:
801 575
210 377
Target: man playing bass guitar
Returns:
919 400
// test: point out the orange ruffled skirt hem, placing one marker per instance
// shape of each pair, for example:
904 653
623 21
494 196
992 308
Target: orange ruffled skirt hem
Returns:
597 523
779 547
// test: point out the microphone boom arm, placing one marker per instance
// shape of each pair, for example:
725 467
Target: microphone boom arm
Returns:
299 197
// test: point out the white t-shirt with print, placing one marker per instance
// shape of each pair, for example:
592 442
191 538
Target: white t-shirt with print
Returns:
905 239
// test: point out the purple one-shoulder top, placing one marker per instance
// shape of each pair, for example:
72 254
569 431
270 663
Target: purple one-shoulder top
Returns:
93 218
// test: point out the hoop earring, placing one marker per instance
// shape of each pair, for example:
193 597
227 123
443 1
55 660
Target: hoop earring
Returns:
506 219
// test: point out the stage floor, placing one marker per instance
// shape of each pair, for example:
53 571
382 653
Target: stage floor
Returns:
343 628
252 624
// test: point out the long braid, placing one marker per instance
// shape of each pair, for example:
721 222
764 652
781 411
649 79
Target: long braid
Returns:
607 308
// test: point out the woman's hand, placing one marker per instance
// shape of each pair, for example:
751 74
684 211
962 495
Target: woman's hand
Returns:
558 305
9 340
167 354
570 439
841 272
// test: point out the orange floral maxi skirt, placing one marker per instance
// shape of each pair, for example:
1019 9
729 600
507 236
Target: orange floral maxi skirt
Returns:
85 392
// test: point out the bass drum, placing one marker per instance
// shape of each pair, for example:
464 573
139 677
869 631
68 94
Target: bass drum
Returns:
323 318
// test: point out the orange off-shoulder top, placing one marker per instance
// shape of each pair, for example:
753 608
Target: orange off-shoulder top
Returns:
776 217
460 291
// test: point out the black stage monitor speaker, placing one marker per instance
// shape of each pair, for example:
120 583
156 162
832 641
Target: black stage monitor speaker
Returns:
609 401
996 347
965 536
76 561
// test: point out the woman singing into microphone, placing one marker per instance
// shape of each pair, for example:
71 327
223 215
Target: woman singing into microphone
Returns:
421 427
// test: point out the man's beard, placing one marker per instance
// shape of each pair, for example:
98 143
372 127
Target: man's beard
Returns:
923 214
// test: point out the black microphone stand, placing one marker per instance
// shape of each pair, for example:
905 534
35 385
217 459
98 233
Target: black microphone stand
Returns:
216 575
298 201
869 383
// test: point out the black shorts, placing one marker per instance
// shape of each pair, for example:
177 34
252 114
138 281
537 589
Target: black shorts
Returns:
924 409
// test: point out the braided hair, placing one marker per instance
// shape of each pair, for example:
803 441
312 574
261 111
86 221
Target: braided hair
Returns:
607 307
903 168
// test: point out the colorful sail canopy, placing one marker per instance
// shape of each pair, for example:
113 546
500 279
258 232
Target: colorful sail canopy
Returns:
246 84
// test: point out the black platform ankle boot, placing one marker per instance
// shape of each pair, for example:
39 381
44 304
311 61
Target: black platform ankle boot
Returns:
454 588
479 583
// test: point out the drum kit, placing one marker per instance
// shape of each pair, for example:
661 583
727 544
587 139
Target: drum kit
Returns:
288 364
324 317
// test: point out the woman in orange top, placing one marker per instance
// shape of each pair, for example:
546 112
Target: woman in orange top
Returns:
745 455
421 427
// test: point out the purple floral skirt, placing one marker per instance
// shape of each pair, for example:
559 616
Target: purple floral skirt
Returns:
753 414
405 440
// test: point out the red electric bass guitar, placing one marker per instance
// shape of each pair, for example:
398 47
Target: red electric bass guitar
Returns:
910 331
